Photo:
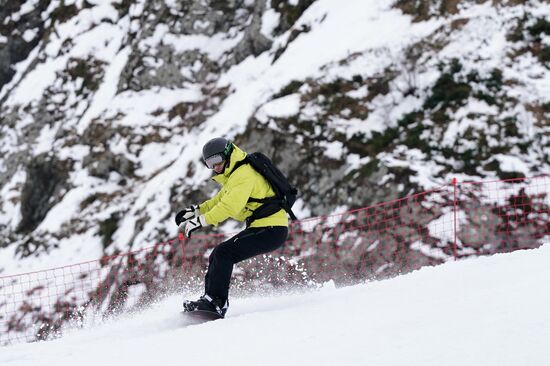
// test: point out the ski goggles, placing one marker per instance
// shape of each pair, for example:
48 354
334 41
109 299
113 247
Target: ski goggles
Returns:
214 160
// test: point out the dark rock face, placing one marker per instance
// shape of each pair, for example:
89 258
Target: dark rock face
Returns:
18 46
101 165
46 179
289 13
297 143
192 18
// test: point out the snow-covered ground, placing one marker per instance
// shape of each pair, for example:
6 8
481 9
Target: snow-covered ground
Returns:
485 311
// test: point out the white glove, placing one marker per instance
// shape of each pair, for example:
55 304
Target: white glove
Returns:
187 214
193 224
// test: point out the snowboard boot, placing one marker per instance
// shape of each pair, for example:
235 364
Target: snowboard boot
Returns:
207 303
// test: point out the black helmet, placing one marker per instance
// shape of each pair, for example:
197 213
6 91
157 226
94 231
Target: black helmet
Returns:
216 151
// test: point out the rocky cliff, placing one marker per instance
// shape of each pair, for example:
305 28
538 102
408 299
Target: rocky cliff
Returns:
104 106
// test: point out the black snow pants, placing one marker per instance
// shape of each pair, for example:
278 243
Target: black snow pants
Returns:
246 244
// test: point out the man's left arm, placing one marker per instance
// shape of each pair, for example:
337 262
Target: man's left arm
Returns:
232 202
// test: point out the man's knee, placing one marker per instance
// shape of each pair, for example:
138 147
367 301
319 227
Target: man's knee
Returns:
221 252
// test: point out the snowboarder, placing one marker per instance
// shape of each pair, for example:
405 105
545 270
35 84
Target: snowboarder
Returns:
243 189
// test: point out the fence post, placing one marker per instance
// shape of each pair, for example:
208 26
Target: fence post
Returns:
454 217
181 238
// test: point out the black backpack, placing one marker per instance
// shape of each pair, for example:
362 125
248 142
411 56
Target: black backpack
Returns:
285 193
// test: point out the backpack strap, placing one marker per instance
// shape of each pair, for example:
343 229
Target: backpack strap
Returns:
261 200
239 164
270 205
273 205
291 214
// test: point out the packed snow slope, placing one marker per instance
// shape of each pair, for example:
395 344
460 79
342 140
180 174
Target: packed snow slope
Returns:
484 311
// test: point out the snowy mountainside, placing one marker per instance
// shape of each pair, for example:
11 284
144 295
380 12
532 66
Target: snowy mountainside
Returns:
484 311
105 104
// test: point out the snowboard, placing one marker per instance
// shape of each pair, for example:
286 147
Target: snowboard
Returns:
200 316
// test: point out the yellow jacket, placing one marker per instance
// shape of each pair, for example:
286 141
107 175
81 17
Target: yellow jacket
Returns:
237 188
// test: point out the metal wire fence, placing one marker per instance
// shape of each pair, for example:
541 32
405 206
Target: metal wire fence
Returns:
381 241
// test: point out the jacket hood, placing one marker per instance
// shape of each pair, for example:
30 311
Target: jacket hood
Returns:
236 155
